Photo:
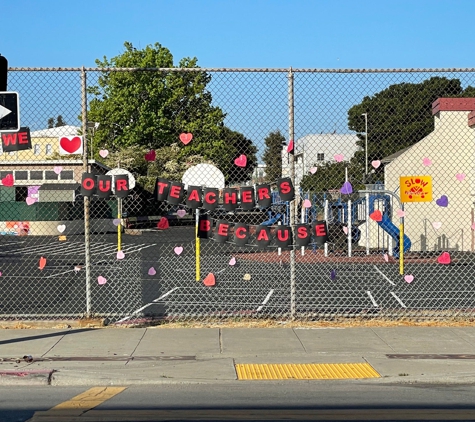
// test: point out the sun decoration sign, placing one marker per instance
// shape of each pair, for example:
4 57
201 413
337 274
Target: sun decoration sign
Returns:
415 188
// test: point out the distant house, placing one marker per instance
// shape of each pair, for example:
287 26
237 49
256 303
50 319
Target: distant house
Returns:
50 185
449 153
314 149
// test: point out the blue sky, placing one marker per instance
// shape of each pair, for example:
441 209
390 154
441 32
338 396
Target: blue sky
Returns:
244 33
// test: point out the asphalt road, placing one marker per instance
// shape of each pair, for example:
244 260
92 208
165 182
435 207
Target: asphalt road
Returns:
267 400
154 280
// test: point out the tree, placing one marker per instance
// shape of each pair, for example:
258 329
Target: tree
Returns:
151 108
59 122
399 116
272 156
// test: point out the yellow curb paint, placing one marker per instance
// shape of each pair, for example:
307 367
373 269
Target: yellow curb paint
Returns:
78 405
305 371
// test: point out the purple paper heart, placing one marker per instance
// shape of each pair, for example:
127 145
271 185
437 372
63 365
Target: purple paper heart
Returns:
333 274
443 201
346 188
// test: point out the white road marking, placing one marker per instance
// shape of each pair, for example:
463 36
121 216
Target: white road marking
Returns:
265 300
399 300
147 305
372 299
384 275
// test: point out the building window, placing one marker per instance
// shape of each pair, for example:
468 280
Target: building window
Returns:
49 149
37 149
36 175
21 175
67 175
320 156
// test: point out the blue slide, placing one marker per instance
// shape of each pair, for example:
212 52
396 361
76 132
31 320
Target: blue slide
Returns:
387 225
273 220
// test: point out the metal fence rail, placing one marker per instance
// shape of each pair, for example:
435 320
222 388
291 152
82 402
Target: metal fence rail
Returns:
395 248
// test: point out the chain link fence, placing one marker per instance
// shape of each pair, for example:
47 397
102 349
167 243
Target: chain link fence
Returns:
271 193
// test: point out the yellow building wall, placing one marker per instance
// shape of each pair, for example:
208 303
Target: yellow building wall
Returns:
29 155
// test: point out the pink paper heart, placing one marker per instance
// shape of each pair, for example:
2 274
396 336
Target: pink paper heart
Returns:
376 163
472 226
339 157
241 161
386 257
181 213
460 176
186 138
409 278
151 271
313 170
42 263
116 221
345 229
400 213
232 261
103 153
0 273
120 255
178 250
437 225
306 203
101 280
290 147
57 169
444 258
30 201
426 162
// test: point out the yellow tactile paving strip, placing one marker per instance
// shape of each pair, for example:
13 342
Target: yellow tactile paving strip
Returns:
304 371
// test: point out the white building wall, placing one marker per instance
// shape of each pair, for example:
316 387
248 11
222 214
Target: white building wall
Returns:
451 148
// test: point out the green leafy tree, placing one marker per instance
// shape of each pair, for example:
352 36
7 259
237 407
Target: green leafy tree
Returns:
60 121
272 156
150 109
51 123
399 116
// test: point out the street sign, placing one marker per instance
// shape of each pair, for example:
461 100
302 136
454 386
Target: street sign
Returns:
9 111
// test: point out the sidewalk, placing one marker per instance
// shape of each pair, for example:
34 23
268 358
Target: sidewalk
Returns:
119 356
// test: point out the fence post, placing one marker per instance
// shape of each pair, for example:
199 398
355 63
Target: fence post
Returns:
85 164
293 204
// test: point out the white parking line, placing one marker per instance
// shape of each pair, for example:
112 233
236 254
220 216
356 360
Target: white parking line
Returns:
147 305
372 299
265 300
384 275
399 300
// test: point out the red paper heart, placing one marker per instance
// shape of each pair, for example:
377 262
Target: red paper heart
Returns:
186 138
42 263
151 155
70 145
8 180
290 147
376 215
444 258
209 280
241 161
163 223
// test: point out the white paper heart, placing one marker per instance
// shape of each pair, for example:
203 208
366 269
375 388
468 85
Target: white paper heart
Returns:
376 163
313 170
386 257
103 153
437 225
345 229
120 255
30 201
61 228
116 221
178 250
57 169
